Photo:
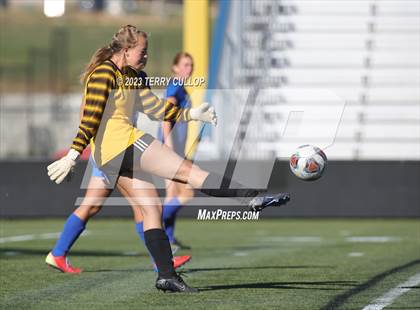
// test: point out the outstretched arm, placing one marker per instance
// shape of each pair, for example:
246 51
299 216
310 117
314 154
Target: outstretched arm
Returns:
164 110
161 109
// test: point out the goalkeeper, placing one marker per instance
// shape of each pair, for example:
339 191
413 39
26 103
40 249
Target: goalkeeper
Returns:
127 155
96 193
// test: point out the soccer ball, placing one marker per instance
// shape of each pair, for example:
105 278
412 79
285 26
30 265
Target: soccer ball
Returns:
308 162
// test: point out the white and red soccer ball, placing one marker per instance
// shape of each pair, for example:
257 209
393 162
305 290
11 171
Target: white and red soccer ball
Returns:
308 162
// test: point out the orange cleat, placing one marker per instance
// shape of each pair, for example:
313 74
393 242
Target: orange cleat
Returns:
61 263
177 260
181 260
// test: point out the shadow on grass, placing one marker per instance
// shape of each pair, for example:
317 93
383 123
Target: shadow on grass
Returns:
119 270
20 252
192 270
301 285
341 299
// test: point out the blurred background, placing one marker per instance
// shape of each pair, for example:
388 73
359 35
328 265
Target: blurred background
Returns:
360 57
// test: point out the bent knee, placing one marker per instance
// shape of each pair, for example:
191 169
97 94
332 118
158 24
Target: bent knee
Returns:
149 211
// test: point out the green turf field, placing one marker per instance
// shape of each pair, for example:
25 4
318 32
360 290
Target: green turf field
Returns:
266 264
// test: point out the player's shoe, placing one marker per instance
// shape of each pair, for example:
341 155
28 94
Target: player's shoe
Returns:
178 261
181 260
179 245
174 284
260 202
61 263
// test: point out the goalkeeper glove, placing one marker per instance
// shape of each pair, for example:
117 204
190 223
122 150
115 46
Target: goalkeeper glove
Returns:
204 113
59 169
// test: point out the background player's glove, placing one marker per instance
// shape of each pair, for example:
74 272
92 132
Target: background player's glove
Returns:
204 113
59 169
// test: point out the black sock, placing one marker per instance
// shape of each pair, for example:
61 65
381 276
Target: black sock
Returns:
218 186
158 245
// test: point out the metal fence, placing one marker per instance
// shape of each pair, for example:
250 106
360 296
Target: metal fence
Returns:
363 53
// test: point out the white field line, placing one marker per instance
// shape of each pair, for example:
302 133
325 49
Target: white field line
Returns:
44 236
374 239
356 239
389 297
295 239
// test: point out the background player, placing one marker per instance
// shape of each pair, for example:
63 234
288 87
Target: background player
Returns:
174 135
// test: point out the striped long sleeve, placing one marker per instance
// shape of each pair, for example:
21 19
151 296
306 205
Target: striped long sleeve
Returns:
98 88
161 109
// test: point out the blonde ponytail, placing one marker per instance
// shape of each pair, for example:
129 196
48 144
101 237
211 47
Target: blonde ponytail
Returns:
126 37
99 57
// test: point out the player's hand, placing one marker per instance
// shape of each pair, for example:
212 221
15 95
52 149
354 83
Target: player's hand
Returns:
59 169
204 113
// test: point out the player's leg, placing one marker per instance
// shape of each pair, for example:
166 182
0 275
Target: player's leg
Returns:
138 220
171 206
160 160
137 215
76 223
143 193
186 193
176 197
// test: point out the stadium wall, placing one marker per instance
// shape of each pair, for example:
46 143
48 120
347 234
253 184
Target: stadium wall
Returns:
348 189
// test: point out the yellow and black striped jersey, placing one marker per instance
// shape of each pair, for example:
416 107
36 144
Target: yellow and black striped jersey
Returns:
110 99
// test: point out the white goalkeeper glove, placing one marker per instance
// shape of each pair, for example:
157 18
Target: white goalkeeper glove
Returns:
204 113
59 169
